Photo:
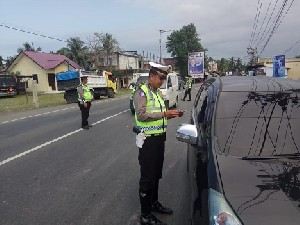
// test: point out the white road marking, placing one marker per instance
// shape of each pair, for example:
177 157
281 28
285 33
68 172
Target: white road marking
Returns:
55 140
58 110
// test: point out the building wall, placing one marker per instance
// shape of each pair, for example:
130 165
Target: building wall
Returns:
62 68
27 67
128 62
121 61
292 67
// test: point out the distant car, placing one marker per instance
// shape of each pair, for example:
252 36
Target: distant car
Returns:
243 156
180 82
7 85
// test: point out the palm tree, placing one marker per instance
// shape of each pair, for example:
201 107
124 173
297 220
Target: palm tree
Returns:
110 45
77 51
28 47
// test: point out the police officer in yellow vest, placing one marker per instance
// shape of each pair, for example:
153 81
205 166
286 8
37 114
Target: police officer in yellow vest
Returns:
188 88
85 97
151 118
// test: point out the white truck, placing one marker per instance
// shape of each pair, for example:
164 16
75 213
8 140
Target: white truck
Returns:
102 83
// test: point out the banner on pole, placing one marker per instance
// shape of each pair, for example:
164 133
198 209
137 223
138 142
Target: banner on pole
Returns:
196 64
279 66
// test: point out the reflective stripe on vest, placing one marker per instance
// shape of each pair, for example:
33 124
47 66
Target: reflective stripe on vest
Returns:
155 103
87 94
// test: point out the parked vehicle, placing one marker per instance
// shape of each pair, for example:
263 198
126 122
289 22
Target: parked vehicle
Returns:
243 156
102 84
169 90
180 83
143 78
7 85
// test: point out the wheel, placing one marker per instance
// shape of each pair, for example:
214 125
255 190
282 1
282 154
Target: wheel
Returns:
96 96
110 93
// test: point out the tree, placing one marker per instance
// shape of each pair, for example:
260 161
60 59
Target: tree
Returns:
1 62
180 43
223 65
76 51
102 45
9 60
28 47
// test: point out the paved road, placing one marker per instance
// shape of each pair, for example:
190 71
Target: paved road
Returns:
53 172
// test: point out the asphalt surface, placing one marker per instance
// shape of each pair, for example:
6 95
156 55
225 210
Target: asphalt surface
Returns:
53 172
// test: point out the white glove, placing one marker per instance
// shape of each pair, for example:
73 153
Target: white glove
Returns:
139 139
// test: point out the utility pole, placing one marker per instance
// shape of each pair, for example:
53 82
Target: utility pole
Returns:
252 55
160 54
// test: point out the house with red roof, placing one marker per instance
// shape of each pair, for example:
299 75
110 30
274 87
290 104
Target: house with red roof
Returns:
44 66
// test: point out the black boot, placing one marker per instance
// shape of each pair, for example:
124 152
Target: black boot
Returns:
158 207
150 220
145 200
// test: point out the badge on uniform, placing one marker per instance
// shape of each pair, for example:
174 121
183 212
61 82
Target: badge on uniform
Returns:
142 94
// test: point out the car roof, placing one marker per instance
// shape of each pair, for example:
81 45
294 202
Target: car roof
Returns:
258 84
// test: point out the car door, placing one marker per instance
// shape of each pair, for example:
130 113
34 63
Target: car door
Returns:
202 115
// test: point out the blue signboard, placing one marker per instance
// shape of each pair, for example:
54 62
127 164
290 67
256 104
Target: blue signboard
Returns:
279 66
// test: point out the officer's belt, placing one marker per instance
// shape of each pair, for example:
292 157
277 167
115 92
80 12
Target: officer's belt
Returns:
155 135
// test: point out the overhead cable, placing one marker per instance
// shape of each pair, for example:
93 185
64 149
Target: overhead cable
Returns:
30 32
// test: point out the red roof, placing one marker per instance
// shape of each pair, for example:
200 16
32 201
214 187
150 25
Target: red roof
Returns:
49 60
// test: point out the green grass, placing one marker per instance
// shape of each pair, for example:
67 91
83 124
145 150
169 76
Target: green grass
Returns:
24 102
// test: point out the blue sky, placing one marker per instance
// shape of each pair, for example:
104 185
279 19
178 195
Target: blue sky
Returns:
224 27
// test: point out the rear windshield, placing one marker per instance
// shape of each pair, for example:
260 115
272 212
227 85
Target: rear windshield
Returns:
258 124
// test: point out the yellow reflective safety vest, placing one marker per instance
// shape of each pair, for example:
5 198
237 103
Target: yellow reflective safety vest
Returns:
87 93
155 103
188 83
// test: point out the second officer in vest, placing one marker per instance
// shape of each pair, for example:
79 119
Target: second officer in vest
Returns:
85 97
151 118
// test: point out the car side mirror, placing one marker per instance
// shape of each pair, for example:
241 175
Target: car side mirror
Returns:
187 133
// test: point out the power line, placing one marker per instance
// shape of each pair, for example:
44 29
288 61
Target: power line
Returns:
255 22
267 28
260 29
276 23
292 46
30 32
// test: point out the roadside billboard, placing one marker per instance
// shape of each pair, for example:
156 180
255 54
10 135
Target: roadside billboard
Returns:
279 66
196 64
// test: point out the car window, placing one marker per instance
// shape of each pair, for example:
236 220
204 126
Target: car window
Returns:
200 106
258 123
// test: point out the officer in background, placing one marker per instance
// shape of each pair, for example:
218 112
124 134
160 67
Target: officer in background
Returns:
188 88
151 118
85 97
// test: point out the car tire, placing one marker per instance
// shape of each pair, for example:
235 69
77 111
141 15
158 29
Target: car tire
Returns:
110 93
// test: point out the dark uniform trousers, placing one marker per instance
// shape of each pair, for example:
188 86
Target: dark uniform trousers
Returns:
151 158
85 113
187 93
